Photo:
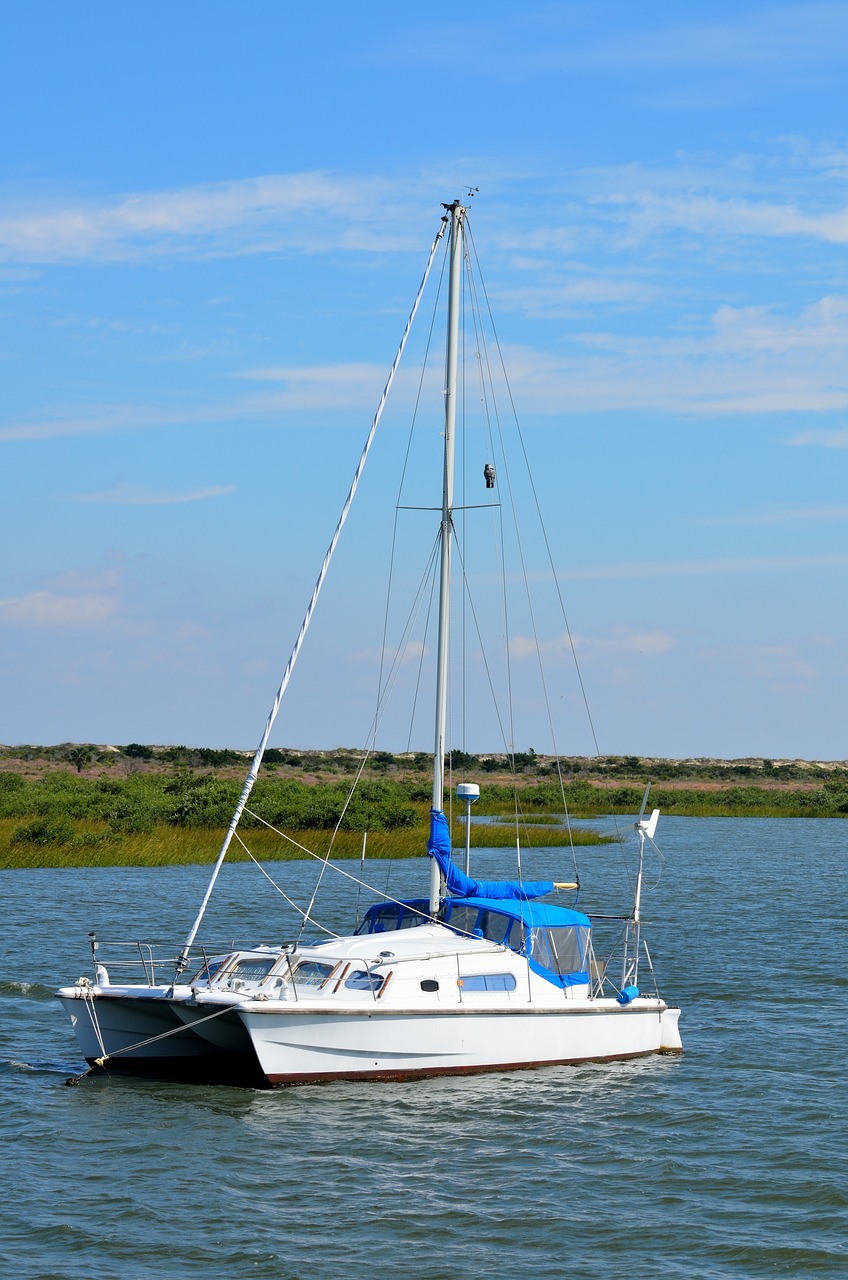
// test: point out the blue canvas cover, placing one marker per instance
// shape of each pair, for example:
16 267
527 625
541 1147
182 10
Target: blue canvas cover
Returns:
461 885
537 915
541 917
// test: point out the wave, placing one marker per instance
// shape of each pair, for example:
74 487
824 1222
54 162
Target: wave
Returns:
15 1066
26 990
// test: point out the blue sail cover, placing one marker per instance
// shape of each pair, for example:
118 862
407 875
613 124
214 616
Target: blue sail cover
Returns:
461 885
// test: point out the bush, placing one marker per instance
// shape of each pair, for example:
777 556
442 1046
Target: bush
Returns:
44 831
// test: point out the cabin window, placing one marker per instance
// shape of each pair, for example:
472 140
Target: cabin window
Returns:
488 982
360 980
410 918
386 916
311 974
252 970
207 973
383 919
463 919
563 950
495 926
429 984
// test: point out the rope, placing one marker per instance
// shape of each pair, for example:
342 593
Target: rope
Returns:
163 1035
253 772
89 998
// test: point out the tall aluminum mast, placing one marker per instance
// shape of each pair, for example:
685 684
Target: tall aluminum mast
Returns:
457 214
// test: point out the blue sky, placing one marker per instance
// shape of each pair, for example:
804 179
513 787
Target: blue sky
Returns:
213 219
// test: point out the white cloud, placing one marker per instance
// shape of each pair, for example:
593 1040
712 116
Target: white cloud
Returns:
49 609
691 568
126 495
307 211
648 212
746 360
330 386
785 516
641 642
836 439
765 661
414 651
550 40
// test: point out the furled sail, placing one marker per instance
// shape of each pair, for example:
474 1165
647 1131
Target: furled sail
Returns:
461 885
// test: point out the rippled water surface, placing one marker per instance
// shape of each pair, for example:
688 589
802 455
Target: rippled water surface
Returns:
728 1162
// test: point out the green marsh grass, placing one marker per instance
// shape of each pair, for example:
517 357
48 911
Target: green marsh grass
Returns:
92 845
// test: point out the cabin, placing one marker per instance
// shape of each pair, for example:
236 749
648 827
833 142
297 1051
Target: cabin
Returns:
555 940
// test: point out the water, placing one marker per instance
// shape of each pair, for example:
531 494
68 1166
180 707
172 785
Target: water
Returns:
728 1162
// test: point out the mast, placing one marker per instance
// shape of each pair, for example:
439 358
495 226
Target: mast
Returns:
457 213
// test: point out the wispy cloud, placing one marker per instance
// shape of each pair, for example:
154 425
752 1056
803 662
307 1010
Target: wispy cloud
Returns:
49 609
330 386
785 516
306 211
835 439
78 598
649 212
553 39
414 651
646 643
775 663
745 360
126 495
693 568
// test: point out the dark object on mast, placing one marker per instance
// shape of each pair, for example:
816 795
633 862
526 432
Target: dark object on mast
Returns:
489 473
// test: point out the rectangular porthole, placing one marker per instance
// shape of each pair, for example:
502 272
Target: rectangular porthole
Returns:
311 974
359 980
487 982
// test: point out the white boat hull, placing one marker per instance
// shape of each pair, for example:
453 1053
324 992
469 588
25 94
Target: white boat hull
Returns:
299 1047
274 1044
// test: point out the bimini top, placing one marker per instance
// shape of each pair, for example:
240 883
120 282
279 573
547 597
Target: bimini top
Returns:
461 885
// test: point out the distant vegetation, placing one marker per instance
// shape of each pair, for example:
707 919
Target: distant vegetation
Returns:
529 764
80 804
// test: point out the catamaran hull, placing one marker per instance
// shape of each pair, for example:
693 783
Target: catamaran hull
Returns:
262 1046
307 1048
144 1036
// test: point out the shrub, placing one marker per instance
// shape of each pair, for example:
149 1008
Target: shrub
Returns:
44 831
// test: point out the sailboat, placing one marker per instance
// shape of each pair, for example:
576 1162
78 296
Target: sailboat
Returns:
477 975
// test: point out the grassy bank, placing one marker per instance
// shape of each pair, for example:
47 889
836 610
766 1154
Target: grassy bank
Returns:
158 817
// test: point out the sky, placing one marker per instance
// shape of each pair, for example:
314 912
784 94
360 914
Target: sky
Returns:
213 221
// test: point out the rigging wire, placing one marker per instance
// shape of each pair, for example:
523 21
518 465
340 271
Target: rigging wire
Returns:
549 553
253 771
282 892
319 857
394 670
404 469
484 360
